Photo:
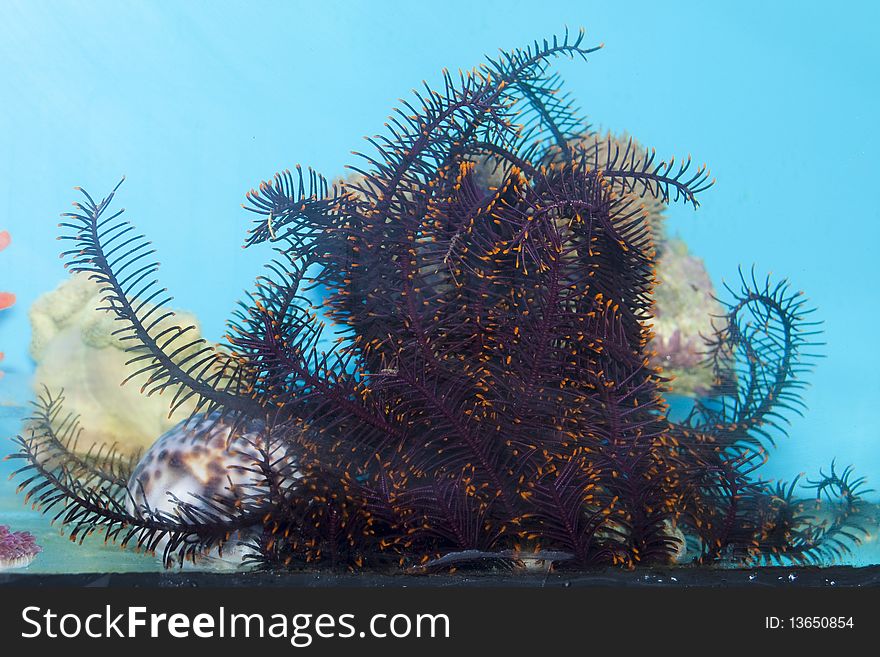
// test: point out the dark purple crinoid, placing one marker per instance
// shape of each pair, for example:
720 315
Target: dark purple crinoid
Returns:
17 549
490 399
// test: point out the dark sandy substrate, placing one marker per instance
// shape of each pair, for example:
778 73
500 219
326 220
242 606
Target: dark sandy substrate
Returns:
842 576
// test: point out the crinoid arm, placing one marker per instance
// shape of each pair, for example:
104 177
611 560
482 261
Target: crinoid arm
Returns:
781 527
55 433
838 522
765 345
295 207
634 170
97 493
548 118
760 354
489 329
108 249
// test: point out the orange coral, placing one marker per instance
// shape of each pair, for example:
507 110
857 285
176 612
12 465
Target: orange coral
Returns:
6 298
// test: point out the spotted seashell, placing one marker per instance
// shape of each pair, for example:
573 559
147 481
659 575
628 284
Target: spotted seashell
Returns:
201 460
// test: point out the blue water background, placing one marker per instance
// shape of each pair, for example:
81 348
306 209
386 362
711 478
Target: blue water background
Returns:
196 102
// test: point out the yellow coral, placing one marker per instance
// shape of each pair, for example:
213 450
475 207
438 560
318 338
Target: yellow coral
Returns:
72 345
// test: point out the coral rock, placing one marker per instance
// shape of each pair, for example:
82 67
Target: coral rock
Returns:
683 314
75 351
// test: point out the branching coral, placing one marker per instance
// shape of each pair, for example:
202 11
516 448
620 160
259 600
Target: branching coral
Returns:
490 398
685 310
